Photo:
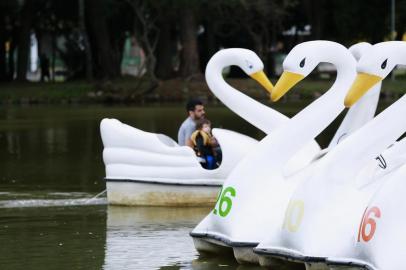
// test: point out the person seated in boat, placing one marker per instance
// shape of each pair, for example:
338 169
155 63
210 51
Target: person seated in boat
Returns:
195 110
204 144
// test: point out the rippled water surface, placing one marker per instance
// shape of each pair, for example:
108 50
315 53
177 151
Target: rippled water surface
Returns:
100 237
50 172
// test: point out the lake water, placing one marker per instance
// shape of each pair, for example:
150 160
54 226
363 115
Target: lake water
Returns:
51 167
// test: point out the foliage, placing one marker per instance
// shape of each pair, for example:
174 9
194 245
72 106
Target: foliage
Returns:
254 24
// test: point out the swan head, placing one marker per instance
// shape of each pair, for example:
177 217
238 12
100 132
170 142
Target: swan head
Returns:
246 59
357 50
373 66
252 65
303 59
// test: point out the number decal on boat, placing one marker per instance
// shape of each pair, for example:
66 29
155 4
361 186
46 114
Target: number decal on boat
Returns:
368 222
294 215
224 201
217 201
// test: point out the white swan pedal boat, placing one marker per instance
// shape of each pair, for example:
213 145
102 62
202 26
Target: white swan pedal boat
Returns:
145 168
151 169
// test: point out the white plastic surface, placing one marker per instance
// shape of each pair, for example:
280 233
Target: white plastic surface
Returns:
262 190
130 153
335 199
383 248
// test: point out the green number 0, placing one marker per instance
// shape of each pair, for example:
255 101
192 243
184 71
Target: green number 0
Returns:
225 201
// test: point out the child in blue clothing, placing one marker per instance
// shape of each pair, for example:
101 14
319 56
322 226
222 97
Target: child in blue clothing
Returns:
203 142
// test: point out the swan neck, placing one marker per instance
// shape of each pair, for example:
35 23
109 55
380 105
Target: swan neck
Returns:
313 119
254 112
345 65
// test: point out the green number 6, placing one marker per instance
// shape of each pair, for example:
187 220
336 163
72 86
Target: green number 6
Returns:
223 207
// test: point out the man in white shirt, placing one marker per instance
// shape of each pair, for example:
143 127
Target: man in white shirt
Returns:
195 110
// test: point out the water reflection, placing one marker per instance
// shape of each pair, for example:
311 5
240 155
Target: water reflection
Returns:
157 238
13 144
56 140
52 237
215 263
150 237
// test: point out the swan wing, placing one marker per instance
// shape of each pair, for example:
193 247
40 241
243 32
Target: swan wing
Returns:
118 135
130 153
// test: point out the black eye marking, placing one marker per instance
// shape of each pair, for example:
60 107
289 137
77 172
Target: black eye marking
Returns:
249 64
383 66
303 62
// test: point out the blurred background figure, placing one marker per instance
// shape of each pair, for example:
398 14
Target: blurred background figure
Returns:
195 110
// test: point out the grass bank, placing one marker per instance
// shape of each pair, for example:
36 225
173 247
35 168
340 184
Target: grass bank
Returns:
130 90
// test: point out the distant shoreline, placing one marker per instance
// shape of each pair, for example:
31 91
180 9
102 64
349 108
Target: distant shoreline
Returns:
133 91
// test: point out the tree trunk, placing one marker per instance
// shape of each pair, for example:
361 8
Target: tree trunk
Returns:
148 37
24 34
117 55
189 58
164 51
211 39
11 64
53 64
314 13
151 65
3 75
100 38
88 51
208 44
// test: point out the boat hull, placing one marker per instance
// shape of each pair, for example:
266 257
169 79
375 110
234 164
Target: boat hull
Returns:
149 193
245 255
211 247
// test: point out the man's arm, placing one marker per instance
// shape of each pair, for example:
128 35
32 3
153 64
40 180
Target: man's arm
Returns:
189 143
188 137
181 136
